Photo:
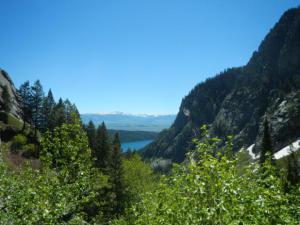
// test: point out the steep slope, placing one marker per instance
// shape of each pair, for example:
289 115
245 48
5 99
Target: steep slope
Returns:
235 101
10 121
5 80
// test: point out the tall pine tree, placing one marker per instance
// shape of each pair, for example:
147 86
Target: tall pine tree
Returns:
102 153
293 169
48 106
266 144
58 115
91 133
37 94
117 177
25 98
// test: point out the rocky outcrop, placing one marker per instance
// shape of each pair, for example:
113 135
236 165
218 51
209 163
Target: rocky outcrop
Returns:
5 80
236 101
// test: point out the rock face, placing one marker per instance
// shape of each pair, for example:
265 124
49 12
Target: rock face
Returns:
236 101
5 80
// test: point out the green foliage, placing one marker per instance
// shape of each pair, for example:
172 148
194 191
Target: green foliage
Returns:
138 177
48 106
43 112
60 192
266 145
209 189
91 133
25 101
31 149
102 153
36 104
117 178
18 142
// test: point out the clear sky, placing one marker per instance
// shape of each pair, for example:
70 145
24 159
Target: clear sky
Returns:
134 56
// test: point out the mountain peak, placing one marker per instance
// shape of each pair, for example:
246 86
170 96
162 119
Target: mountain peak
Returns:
236 101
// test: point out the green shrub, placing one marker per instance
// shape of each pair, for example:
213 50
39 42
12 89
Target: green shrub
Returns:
209 189
60 191
18 142
30 149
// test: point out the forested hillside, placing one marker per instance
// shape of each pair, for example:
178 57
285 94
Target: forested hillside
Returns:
236 101
55 170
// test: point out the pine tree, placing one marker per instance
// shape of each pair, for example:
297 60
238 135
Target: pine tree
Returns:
70 111
91 134
117 177
6 99
37 105
293 170
58 116
48 106
25 97
266 145
102 152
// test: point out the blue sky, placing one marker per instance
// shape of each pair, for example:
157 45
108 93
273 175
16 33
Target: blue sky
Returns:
134 56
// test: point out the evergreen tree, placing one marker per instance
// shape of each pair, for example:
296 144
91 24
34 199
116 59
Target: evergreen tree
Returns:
117 177
71 111
6 99
75 111
37 105
48 106
102 153
293 170
91 134
68 111
266 145
25 97
58 116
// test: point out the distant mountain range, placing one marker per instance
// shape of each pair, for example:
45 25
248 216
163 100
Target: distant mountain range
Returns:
131 122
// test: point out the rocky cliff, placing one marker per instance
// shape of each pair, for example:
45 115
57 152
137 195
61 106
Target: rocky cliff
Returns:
236 101
5 80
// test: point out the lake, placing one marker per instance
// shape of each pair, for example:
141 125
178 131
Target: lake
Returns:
137 145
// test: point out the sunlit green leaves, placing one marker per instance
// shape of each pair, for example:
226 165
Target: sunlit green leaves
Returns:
210 189
60 190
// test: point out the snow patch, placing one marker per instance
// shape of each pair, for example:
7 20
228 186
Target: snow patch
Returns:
251 153
295 146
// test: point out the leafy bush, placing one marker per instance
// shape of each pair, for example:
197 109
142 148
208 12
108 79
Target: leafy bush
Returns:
60 191
138 177
18 142
209 189
30 149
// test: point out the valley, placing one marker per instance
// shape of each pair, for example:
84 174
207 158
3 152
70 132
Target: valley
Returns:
231 156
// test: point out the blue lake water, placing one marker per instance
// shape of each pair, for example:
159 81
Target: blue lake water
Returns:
135 145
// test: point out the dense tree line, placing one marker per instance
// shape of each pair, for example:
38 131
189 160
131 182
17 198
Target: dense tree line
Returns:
40 110
73 184
210 189
85 179
108 159
45 114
